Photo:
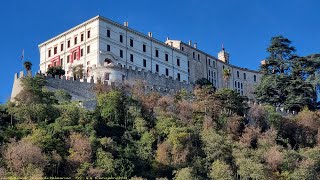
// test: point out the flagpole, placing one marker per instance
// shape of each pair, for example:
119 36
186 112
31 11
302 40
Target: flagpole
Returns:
22 58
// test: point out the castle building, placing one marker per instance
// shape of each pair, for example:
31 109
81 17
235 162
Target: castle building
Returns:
100 46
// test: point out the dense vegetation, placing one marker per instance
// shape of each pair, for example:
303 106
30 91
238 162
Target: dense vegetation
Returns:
290 81
205 134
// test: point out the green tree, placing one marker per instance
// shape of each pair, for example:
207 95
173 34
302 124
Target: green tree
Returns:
56 71
220 171
231 101
226 74
185 174
27 65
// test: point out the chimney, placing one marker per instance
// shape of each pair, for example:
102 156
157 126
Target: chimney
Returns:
126 24
190 42
150 34
171 43
195 45
168 38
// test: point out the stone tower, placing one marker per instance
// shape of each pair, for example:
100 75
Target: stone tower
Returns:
223 55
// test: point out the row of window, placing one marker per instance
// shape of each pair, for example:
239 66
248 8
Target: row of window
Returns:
244 76
75 40
131 56
144 46
238 87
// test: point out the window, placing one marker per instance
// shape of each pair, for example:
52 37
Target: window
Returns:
68 58
106 76
121 53
61 61
68 43
238 85
75 40
209 62
193 55
255 78
214 75
178 62
121 38
81 37
88 49
178 75
214 64
144 48
61 47
144 63
167 57
108 33
241 86
244 76
167 72
55 50
74 55
238 74
131 57
88 34
182 49
49 53
209 73
199 57
157 53
223 67
235 84
131 42
81 52
188 64
108 47
157 68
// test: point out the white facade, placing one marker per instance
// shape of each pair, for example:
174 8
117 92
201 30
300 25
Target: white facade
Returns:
125 46
99 41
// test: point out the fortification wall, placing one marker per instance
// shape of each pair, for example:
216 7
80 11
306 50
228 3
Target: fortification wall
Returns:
154 81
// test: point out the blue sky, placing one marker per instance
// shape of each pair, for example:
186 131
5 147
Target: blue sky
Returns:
245 27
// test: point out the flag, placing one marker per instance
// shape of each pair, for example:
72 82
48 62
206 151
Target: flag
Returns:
22 56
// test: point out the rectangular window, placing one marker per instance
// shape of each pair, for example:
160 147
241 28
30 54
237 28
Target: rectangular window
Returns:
182 49
121 38
131 57
61 62
121 53
157 68
88 49
167 72
61 47
68 43
68 58
144 63
157 53
178 75
82 37
55 50
131 42
178 62
244 76
81 52
106 76
88 34
193 55
49 53
199 57
74 55
144 48
108 47
75 40
238 74
108 33
209 62
167 57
